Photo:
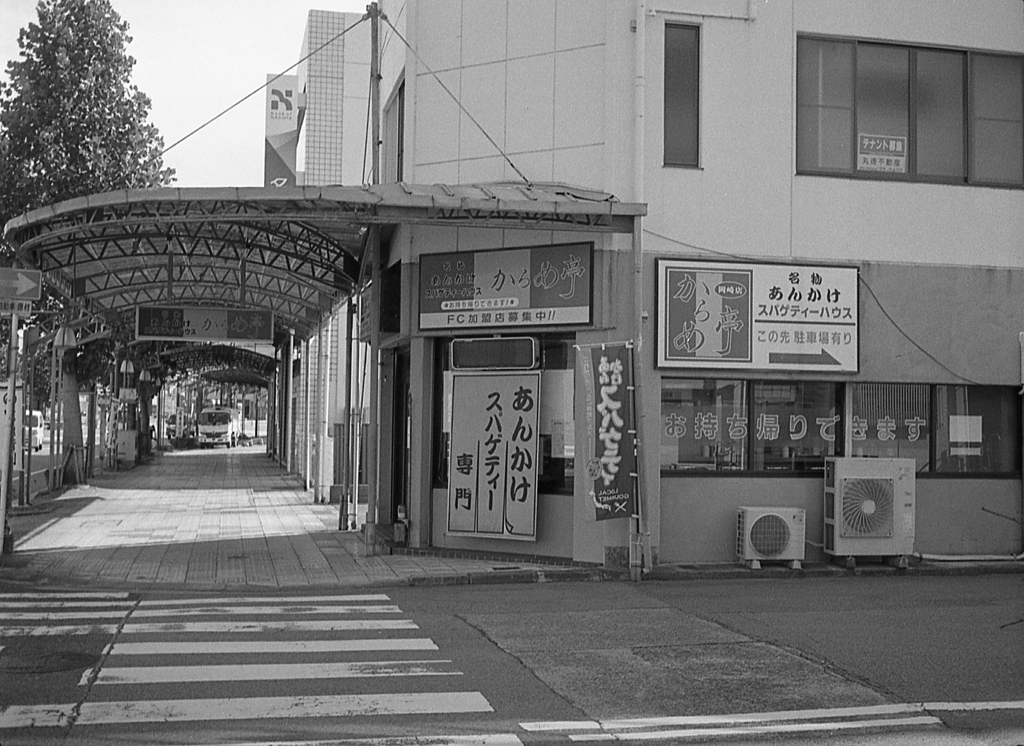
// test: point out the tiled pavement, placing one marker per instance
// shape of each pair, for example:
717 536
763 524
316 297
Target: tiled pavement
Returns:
216 519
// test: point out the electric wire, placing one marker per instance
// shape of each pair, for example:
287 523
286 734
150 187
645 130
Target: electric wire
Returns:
860 278
252 93
457 102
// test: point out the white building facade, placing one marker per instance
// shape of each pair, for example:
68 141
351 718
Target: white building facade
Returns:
830 263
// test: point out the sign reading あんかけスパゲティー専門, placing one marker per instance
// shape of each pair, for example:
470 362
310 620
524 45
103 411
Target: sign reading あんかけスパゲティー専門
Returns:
492 474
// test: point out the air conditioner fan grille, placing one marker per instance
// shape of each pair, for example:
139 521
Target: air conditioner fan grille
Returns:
867 507
770 535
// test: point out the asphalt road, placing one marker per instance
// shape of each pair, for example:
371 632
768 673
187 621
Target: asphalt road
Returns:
665 662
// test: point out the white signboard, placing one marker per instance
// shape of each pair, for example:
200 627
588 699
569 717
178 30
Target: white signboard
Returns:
493 461
757 316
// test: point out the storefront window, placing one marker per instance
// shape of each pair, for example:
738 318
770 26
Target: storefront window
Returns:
557 429
976 429
794 425
704 425
891 420
715 425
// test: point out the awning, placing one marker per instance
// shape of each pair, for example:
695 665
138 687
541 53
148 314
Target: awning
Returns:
294 251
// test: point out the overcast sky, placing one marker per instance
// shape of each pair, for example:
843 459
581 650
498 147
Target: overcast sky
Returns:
195 58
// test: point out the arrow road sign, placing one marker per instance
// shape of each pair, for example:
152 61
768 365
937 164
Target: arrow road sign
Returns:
20 284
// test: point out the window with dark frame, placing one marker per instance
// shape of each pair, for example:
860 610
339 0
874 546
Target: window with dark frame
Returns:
732 426
883 111
682 95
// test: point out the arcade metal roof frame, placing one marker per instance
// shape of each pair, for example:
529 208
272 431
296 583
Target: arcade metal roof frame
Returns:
294 251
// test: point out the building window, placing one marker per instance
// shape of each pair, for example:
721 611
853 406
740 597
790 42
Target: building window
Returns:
704 425
891 420
557 433
394 137
883 111
977 430
787 426
682 95
723 425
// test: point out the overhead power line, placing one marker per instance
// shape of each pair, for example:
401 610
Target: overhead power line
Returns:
262 87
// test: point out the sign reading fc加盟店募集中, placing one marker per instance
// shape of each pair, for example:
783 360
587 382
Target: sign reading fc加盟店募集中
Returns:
204 324
757 316
539 286
492 474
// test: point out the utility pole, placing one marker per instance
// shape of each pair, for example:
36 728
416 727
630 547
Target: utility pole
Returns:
372 450
8 428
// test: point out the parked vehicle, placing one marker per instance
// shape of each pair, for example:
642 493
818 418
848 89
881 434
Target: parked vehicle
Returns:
37 429
170 426
219 426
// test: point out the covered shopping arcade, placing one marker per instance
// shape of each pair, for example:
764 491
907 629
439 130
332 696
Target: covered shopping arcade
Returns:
303 254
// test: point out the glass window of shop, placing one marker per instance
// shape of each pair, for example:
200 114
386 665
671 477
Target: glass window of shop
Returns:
768 426
891 420
724 425
557 434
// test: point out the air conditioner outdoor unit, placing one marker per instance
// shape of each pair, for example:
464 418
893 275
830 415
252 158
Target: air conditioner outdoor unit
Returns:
869 508
770 534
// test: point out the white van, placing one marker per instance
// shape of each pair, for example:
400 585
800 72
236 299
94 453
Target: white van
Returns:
37 429
219 426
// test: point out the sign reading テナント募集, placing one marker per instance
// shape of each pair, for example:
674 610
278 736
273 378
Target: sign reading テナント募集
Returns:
757 316
539 286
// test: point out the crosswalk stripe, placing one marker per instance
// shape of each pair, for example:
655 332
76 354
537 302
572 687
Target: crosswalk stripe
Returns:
61 630
63 615
204 611
254 647
759 730
62 596
265 672
480 739
62 604
266 600
261 708
247 627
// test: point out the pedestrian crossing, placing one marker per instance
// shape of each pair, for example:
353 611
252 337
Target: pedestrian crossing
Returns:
206 659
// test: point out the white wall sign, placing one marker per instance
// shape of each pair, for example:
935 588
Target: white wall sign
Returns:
757 316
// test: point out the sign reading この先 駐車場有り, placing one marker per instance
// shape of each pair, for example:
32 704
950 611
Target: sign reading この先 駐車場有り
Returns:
757 316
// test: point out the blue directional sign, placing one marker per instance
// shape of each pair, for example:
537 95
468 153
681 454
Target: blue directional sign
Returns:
20 284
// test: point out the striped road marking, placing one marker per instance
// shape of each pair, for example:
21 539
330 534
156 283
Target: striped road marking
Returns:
265 600
248 627
264 672
759 730
62 604
200 611
287 646
483 739
62 596
253 708
58 630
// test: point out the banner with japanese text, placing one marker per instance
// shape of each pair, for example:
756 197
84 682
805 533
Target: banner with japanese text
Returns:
493 464
538 286
605 376
204 324
757 316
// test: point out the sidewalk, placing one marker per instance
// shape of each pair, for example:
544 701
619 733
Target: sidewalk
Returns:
232 519
219 519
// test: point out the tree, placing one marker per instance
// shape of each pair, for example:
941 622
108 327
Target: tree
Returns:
72 124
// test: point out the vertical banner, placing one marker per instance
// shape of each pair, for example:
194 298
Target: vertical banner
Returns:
282 132
605 376
493 465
